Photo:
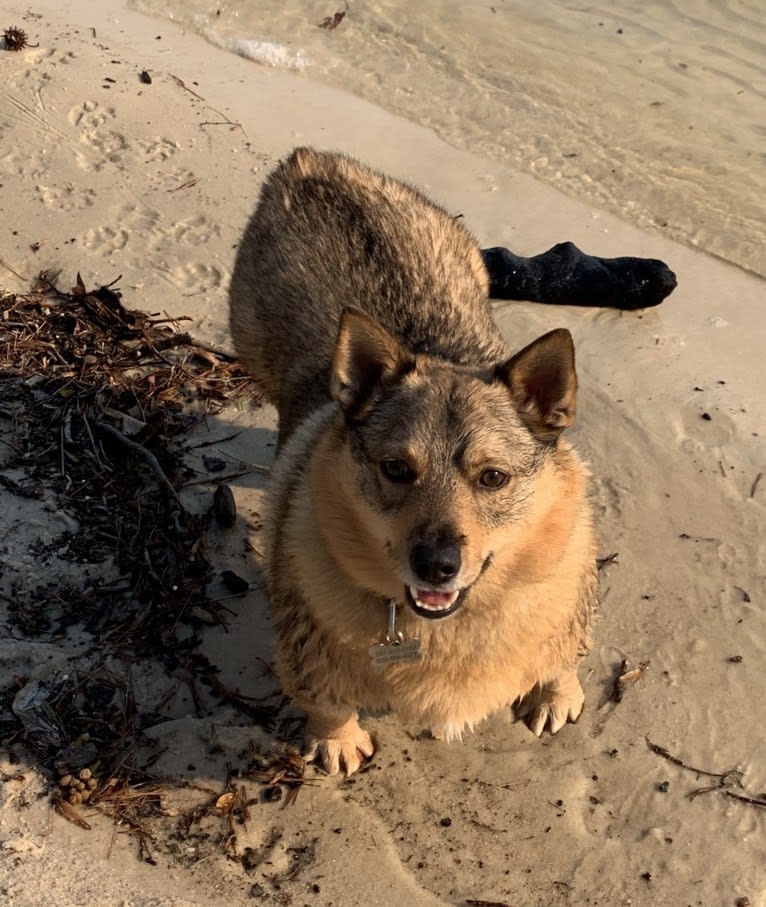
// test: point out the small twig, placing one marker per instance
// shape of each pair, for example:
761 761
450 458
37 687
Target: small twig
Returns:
243 805
182 84
145 454
753 801
602 562
666 754
186 88
71 814
731 777
699 538
93 445
144 851
188 678
261 714
15 273
216 480
754 486
187 185
230 437
215 350
111 841
229 123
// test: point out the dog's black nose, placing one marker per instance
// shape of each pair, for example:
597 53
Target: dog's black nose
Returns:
435 564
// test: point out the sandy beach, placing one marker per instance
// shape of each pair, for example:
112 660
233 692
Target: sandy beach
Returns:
109 175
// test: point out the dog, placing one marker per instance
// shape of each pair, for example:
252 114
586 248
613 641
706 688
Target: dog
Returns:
429 537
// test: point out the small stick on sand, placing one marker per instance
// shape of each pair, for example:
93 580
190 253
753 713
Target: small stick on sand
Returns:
666 754
726 780
142 452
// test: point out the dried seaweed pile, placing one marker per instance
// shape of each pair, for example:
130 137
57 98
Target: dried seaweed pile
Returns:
100 399
88 341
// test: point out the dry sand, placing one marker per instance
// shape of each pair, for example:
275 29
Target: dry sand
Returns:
111 176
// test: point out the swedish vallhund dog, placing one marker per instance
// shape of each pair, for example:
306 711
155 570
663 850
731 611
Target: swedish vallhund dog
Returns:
430 545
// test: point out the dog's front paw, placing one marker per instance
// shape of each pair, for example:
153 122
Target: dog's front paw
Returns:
552 704
343 748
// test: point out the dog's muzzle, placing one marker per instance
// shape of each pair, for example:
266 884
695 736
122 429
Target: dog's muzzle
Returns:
437 565
439 561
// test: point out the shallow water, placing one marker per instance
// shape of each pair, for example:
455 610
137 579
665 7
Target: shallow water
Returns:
652 109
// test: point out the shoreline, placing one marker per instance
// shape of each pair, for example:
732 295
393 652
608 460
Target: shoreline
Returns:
624 126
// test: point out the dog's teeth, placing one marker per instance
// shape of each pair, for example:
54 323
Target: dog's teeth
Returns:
433 601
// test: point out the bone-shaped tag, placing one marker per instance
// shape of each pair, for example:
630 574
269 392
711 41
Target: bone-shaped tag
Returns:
384 654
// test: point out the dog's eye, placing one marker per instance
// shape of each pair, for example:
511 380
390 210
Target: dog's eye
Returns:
397 471
493 478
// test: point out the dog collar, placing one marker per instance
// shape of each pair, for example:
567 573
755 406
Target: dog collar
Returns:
395 647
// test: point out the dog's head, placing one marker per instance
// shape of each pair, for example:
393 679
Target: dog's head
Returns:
436 465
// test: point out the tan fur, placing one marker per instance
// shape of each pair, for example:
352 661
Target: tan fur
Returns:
361 308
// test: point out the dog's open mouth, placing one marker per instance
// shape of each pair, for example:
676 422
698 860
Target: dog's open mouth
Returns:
432 604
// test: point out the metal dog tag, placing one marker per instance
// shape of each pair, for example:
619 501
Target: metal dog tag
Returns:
384 654
396 648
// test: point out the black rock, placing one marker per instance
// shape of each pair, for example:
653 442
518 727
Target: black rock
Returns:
234 583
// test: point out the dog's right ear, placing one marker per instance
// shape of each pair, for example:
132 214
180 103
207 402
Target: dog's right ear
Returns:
367 359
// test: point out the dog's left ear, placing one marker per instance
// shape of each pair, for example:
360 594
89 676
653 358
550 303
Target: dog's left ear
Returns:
367 359
543 383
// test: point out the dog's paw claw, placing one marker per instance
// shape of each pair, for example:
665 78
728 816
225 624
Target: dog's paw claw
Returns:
552 715
553 705
343 751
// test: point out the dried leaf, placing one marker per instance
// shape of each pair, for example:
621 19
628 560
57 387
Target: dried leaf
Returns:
331 22
71 814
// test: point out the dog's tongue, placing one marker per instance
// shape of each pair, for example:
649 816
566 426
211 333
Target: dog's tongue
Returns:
435 599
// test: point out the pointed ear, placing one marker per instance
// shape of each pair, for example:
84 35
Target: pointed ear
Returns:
543 383
367 359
